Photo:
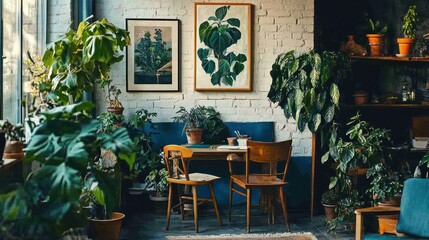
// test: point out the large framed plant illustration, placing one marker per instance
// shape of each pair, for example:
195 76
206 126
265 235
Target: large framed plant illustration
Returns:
153 56
223 43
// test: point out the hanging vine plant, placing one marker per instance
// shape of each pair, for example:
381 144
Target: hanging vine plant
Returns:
306 86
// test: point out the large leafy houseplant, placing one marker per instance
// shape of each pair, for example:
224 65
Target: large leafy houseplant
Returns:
219 34
360 148
306 86
68 145
200 117
82 58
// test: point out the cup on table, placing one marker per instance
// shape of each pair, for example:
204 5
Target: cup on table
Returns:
231 141
243 141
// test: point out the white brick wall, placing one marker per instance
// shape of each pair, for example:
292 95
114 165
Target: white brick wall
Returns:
279 26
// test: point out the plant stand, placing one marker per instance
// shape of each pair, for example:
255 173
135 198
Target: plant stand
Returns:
387 224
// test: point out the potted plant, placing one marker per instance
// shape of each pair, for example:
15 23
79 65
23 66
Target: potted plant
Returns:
157 183
306 86
375 35
115 106
110 122
14 139
197 120
330 199
409 29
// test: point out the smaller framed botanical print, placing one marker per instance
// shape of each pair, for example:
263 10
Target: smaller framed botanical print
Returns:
152 59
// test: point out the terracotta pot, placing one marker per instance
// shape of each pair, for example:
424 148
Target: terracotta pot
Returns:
394 202
406 45
194 136
106 229
116 111
376 44
330 212
360 98
160 204
13 149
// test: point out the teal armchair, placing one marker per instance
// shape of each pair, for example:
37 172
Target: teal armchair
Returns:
413 219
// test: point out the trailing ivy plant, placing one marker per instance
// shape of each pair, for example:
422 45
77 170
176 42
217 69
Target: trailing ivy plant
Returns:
360 147
82 58
306 86
218 34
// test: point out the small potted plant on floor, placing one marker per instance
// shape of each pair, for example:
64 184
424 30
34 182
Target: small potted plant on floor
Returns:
329 200
14 139
375 35
409 29
157 183
197 120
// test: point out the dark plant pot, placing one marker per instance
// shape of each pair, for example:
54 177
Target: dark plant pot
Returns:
360 98
330 212
14 149
160 204
106 229
394 202
116 111
194 136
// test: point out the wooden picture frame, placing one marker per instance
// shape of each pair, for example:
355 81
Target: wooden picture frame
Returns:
152 59
222 59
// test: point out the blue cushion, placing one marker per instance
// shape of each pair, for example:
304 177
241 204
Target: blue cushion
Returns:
414 213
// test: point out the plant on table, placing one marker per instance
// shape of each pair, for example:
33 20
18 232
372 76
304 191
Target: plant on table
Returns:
306 86
362 148
14 139
200 119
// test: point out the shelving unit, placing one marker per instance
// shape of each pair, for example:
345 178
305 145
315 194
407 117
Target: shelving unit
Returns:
391 58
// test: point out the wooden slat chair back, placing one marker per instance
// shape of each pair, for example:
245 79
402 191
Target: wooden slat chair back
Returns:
177 161
269 153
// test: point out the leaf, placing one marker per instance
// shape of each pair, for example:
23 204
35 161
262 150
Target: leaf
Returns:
314 122
329 113
302 121
238 68
234 22
203 30
98 195
209 66
299 99
235 35
219 42
325 157
241 58
213 18
71 81
77 156
335 94
128 158
203 53
227 80
333 182
215 79
231 57
65 181
221 12
320 101
224 66
118 141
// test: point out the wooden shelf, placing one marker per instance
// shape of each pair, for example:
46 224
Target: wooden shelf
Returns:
419 150
382 105
392 58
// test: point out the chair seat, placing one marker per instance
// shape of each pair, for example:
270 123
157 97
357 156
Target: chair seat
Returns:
194 179
257 181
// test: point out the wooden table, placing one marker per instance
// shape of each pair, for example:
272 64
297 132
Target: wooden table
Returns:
213 153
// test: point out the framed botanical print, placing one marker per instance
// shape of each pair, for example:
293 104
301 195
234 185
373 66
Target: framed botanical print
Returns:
222 46
153 57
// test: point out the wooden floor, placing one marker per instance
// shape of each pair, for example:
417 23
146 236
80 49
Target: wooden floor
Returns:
146 224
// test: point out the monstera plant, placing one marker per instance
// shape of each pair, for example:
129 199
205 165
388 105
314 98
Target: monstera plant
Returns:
218 34
306 86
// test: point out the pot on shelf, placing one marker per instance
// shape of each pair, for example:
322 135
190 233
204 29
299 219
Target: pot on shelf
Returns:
194 135
116 111
406 46
376 44
360 97
108 229
14 149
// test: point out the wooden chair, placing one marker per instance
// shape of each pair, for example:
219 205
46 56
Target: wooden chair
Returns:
176 159
261 152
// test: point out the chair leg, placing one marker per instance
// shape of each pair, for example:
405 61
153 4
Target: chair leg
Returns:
215 204
230 199
170 196
249 203
283 199
195 198
182 210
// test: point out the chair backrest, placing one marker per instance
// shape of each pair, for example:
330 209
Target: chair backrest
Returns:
269 152
176 160
414 211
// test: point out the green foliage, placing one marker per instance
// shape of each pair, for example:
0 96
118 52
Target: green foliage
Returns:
14 132
218 34
67 144
376 27
152 55
203 117
424 160
157 179
110 122
330 197
361 147
409 26
81 58
306 87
